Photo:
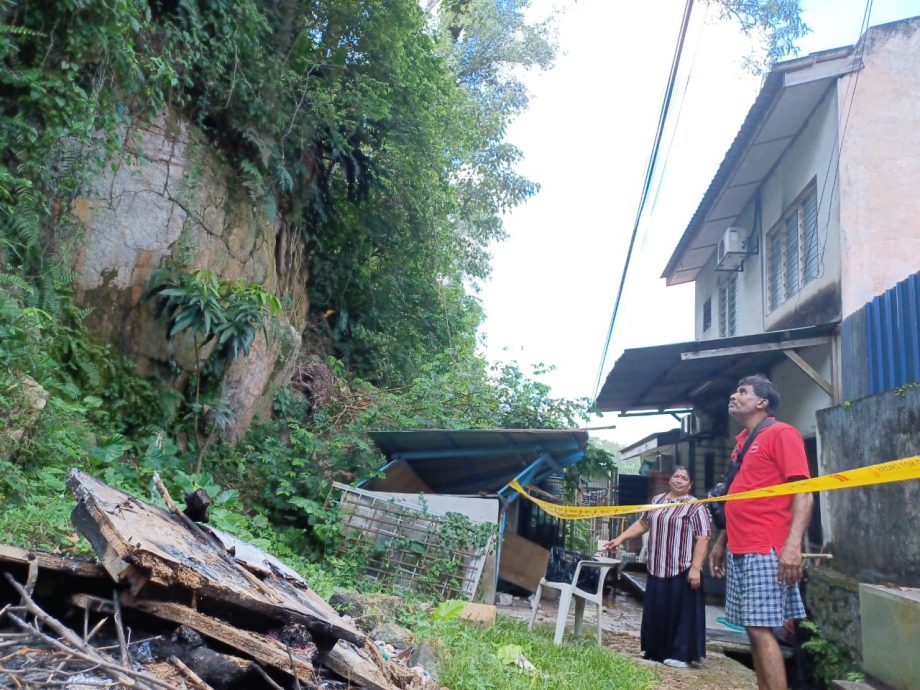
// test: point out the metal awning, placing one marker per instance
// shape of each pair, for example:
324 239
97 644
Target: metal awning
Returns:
481 461
683 375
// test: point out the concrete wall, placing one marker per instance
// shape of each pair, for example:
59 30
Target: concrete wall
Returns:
832 600
879 165
874 528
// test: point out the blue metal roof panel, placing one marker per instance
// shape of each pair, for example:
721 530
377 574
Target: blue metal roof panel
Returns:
482 460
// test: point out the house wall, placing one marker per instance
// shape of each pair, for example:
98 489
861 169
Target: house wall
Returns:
808 158
879 168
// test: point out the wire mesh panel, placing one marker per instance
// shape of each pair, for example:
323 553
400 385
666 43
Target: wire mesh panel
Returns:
408 548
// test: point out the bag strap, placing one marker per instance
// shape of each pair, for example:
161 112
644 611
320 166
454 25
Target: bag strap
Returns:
735 465
764 423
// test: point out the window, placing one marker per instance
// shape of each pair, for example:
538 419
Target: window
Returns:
727 297
707 314
792 249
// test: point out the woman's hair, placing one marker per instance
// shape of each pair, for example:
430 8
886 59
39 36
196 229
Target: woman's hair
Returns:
684 468
763 388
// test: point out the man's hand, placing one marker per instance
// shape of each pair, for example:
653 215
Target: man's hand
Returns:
717 558
790 565
693 577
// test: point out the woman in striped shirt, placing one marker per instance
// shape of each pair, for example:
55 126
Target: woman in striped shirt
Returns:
674 614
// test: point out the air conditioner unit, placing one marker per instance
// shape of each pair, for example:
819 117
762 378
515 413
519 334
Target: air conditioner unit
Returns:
690 425
732 249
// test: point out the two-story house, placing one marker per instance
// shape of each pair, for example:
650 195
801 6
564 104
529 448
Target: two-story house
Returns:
813 213
805 256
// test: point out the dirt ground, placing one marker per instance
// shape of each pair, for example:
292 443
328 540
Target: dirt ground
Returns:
620 629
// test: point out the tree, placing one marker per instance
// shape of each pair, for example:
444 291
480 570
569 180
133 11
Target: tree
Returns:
776 23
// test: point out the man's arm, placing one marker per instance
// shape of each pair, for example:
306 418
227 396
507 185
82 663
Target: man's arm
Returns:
790 560
717 556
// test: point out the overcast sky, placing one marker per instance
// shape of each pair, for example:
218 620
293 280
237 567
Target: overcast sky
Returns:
586 139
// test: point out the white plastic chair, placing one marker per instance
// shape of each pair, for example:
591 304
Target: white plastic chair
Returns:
567 590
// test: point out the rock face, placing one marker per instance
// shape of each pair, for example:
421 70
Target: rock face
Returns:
171 195
29 400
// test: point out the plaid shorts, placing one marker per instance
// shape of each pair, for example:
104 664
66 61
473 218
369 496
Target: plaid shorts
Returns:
754 596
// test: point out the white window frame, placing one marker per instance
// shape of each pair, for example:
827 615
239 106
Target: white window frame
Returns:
791 256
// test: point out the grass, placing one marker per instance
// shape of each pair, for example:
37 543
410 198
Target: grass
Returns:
470 659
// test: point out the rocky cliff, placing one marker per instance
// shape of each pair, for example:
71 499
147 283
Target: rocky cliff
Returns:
171 194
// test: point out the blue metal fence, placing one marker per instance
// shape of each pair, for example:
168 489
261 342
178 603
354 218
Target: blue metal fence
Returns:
893 336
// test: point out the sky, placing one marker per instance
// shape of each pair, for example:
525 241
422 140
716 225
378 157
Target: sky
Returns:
586 138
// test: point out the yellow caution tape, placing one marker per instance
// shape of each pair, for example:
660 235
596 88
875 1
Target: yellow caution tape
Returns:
894 471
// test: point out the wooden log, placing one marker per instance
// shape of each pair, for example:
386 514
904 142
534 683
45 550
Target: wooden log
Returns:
260 647
51 561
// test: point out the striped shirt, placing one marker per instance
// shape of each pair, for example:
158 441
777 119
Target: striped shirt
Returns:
672 532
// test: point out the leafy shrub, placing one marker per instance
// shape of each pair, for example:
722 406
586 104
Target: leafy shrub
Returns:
828 661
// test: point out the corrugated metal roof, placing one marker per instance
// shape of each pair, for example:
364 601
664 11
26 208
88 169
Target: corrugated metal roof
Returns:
473 460
658 378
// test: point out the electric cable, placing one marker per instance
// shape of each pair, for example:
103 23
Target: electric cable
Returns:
646 185
850 98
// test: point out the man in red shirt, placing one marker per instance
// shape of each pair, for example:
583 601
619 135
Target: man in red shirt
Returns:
764 555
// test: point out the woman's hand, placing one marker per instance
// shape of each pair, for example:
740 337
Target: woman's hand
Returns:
694 577
612 545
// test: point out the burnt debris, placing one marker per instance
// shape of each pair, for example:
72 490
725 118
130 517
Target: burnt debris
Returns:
173 603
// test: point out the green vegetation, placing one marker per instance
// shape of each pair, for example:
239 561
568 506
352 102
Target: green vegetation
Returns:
828 661
477 657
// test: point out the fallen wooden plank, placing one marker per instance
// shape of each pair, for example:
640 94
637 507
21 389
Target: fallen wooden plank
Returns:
136 541
282 578
51 561
262 648
482 614
523 562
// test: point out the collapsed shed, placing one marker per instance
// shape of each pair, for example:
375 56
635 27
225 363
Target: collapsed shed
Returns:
432 473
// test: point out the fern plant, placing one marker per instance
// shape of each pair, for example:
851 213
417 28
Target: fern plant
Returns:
228 313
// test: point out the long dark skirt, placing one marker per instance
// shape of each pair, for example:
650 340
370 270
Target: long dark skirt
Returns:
673 619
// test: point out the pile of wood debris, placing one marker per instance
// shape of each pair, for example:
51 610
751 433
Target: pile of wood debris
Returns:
173 603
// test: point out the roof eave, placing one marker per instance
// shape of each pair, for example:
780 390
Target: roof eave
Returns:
812 66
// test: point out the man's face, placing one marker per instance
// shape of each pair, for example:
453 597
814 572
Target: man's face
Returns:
744 402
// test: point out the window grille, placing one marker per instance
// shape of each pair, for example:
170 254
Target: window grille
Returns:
792 249
728 293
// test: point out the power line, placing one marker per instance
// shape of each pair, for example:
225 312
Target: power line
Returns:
680 110
646 185
849 98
